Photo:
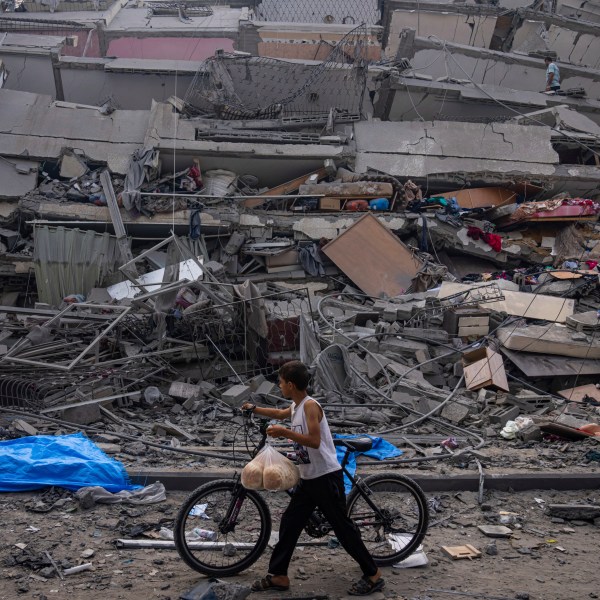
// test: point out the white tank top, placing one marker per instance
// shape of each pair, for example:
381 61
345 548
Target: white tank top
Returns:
314 462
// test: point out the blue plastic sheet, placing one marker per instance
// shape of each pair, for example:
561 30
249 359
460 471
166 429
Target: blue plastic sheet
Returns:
381 450
67 461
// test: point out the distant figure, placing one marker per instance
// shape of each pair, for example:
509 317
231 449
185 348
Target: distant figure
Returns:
552 75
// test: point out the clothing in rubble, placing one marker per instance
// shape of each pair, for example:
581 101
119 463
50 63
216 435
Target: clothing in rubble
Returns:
495 241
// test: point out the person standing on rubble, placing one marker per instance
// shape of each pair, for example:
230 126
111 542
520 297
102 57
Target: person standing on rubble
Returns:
552 75
321 485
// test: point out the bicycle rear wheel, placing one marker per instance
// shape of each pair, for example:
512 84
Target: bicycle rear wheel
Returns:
401 524
222 528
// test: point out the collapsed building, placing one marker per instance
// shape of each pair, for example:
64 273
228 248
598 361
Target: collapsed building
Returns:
193 195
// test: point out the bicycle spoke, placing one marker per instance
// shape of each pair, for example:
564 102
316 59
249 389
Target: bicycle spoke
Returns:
397 526
211 544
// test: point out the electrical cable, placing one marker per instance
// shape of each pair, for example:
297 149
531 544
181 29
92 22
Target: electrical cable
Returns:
506 106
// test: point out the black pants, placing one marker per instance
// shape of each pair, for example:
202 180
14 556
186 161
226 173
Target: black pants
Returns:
326 493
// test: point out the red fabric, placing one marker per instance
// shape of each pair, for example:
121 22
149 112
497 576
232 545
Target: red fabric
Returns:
495 241
591 264
194 173
474 232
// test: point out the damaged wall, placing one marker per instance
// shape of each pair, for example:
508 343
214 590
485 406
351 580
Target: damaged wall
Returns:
406 98
132 84
508 70
573 41
34 126
471 30
272 163
410 149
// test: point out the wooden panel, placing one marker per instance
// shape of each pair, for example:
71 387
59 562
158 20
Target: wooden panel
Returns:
373 258
481 197
466 551
577 394
484 368
330 203
285 188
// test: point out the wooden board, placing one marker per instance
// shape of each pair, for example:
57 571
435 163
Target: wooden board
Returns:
578 393
373 258
520 304
285 188
481 197
484 368
456 552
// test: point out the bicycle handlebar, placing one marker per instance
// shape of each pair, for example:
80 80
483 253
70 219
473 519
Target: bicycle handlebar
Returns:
260 424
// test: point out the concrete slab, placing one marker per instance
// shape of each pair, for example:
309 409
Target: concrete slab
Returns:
16 182
35 126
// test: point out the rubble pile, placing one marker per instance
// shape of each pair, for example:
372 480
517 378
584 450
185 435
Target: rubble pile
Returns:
160 261
446 323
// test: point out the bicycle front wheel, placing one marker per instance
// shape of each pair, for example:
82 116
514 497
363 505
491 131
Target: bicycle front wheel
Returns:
395 530
222 528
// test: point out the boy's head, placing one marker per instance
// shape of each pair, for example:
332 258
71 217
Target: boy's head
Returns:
293 376
548 60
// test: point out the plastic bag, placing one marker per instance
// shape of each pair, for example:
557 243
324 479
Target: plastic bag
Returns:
271 471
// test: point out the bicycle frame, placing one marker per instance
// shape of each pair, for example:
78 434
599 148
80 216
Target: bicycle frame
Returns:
229 520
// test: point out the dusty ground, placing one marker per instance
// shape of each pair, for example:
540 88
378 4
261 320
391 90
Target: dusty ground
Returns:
544 560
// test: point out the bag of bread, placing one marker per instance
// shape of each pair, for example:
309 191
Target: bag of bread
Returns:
280 473
270 470
252 476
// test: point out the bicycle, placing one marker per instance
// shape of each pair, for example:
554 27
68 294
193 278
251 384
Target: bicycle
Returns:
222 528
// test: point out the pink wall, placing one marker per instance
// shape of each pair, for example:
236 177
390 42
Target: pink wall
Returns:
167 47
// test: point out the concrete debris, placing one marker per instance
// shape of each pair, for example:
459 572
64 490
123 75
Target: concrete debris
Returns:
419 228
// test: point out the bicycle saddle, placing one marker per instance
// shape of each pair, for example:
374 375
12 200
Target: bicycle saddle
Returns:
361 444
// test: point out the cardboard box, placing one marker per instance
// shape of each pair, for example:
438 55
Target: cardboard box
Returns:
331 203
484 368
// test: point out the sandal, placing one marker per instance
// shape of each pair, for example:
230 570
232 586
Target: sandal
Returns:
365 587
266 583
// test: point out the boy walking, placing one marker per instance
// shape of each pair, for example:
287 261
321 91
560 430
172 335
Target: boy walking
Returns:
321 485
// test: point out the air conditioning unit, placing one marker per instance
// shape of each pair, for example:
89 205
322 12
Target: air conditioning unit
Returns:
72 40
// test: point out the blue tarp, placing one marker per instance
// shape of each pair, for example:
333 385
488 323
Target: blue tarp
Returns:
381 450
67 461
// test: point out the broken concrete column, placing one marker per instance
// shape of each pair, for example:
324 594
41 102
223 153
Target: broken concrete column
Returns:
406 44
235 396
82 415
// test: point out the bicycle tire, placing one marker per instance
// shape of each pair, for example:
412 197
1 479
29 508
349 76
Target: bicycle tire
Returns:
207 557
408 529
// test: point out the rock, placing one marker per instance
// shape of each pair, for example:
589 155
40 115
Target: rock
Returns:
491 549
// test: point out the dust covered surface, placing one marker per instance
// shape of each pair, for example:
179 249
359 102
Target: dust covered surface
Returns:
546 558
